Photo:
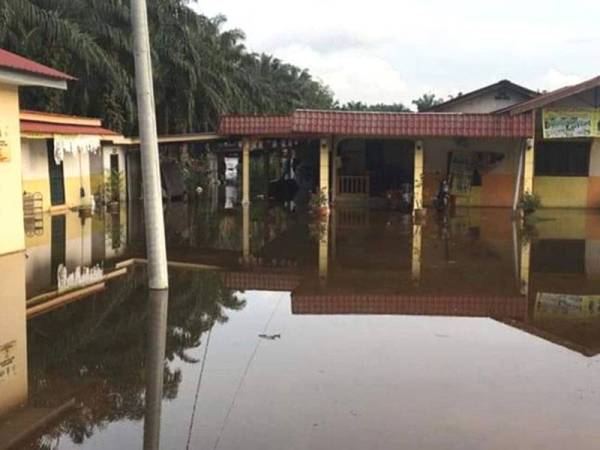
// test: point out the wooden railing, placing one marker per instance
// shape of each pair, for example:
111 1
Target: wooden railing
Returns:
356 185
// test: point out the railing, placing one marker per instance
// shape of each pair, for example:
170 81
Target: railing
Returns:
355 185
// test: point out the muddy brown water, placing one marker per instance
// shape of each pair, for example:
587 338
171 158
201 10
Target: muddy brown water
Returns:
364 330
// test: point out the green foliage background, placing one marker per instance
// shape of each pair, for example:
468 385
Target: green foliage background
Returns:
201 70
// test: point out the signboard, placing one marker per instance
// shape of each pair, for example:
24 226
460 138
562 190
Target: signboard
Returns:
8 365
567 305
461 173
571 123
4 148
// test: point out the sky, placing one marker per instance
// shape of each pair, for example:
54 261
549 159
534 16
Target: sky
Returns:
392 51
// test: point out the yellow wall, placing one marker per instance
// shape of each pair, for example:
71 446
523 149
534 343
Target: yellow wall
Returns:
36 175
562 192
13 336
12 237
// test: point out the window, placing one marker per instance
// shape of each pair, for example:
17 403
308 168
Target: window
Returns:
565 159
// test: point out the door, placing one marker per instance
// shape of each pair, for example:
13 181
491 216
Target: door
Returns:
57 180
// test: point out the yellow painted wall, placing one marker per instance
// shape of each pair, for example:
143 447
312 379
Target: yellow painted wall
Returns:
13 335
12 236
562 192
36 175
497 185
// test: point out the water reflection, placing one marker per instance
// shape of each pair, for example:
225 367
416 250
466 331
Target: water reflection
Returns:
123 369
155 356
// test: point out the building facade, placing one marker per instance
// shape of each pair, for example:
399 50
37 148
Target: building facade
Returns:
492 146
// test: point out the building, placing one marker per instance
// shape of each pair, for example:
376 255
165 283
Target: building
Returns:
67 160
15 72
493 144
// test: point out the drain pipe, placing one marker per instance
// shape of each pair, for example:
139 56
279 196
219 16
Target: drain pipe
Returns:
519 177
153 207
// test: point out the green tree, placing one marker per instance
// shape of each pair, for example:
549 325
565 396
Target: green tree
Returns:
426 101
200 70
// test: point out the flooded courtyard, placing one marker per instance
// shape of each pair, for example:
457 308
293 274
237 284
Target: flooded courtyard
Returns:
361 329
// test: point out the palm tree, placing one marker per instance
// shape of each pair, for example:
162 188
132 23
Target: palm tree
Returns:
200 70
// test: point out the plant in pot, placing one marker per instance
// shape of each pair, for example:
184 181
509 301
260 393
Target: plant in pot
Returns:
529 203
113 186
319 204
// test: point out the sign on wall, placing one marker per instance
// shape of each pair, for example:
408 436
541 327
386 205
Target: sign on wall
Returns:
567 305
571 123
4 147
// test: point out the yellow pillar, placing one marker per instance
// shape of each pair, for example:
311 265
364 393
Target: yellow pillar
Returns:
334 171
324 169
246 171
417 241
418 177
246 232
528 169
525 262
324 248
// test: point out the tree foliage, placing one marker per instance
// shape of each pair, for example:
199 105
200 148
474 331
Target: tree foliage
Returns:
426 101
378 107
201 69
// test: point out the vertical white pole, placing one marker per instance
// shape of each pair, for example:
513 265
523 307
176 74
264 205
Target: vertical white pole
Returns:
153 208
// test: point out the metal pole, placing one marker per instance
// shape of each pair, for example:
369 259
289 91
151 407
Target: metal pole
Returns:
153 209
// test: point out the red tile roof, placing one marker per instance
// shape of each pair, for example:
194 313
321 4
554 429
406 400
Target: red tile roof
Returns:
11 61
372 124
551 97
54 128
429 305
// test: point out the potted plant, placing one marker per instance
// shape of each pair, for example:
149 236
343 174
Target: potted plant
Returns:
113 186
528 203
319 204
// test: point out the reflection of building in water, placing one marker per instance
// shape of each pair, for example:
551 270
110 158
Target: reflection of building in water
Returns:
73 240
13 337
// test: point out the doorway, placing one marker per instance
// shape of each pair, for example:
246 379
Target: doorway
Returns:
57 179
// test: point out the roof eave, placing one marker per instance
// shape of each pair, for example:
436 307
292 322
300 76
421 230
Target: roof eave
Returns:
18 78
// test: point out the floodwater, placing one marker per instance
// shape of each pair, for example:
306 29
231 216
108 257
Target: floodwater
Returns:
363 330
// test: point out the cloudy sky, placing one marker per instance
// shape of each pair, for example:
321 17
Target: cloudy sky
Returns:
393 51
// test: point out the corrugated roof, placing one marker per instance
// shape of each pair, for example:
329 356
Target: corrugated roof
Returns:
551 97
375 124
12 61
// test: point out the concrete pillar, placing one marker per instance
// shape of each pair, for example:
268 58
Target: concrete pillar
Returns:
417 241
324 168
528 169
246 145
246 232
418 177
